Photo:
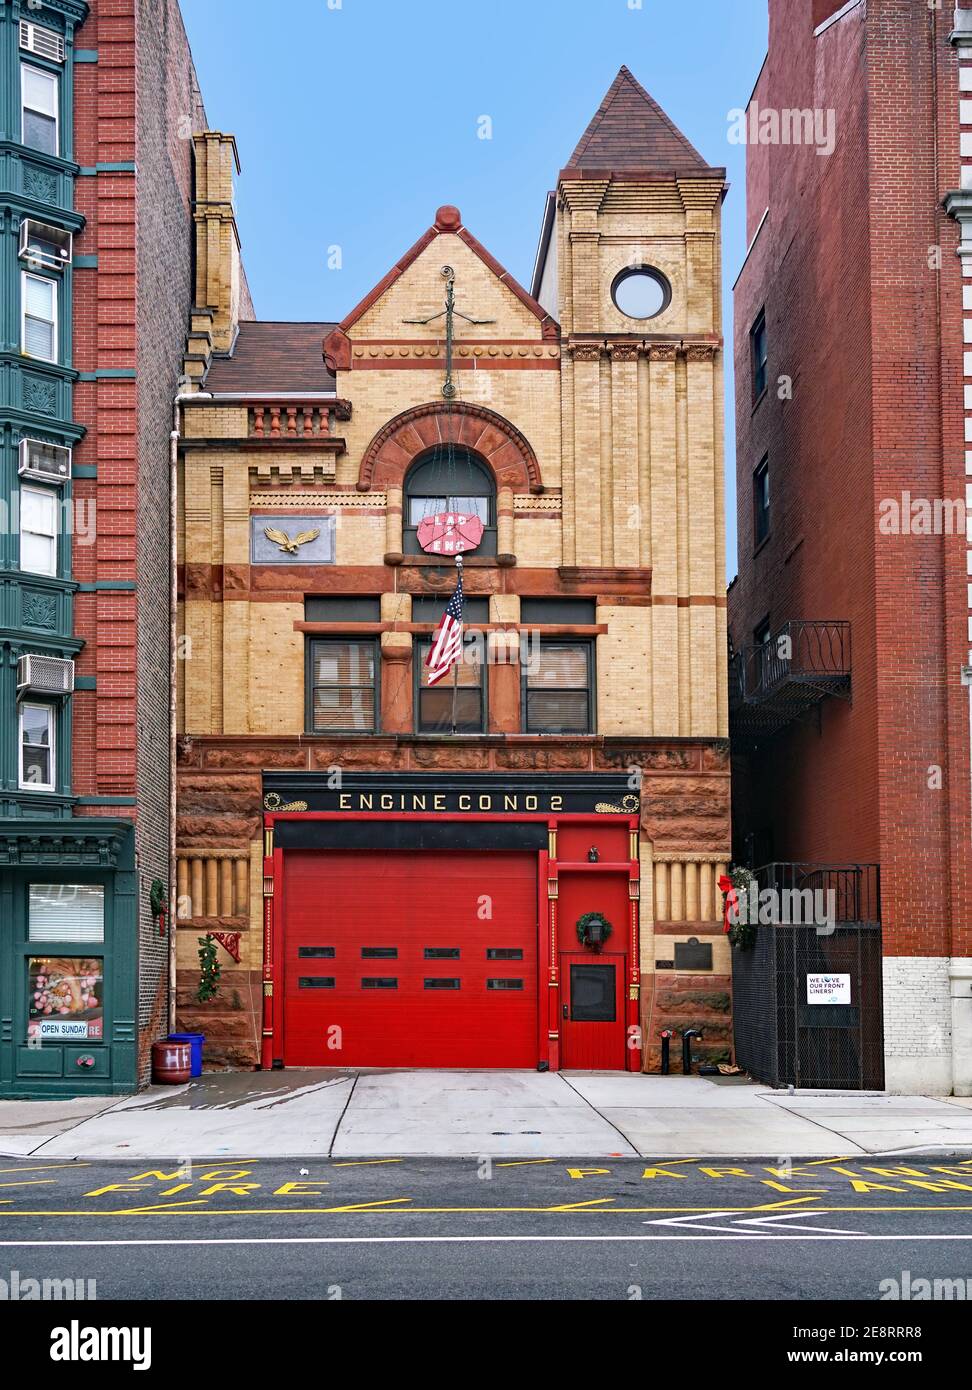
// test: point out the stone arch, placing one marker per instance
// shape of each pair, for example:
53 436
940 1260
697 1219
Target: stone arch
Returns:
398 443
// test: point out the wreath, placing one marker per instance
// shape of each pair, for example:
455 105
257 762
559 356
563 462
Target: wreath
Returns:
584 921
157 898
742 935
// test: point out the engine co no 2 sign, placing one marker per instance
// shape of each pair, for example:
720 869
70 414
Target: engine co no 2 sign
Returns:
828 989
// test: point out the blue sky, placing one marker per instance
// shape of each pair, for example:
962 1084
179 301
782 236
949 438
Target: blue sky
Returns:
356 119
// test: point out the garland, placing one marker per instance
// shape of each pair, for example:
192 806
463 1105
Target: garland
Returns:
584 921
209 970
742 935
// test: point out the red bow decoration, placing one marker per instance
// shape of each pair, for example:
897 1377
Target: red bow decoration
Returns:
450 533
732 900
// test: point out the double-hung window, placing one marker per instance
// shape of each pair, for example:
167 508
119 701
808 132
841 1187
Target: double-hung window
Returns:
761 502
38 336
38 530
342 679
558 688
38 105
37 747
457 704
759 354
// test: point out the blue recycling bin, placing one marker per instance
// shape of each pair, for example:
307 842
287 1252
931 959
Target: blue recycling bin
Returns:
195 1041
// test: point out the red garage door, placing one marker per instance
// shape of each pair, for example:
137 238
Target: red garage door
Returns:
410 959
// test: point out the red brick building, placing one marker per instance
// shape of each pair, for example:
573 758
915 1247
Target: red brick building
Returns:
100 103
850 616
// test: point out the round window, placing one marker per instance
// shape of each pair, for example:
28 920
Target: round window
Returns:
641 293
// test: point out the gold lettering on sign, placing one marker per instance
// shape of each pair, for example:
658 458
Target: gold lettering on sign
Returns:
556 803
387 802
344 801
509 803
439 803
365 803
531 803
418 803
485 803
465 802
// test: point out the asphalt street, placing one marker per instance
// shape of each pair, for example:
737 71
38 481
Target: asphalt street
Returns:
617 1229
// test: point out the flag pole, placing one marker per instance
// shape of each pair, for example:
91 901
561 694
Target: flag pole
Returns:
455 667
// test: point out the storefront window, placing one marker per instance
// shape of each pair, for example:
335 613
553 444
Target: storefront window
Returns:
65 998
66 912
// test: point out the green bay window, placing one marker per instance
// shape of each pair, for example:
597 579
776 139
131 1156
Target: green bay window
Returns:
39 96
37 766
342 684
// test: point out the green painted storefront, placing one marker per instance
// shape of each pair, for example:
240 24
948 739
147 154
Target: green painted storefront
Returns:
68 959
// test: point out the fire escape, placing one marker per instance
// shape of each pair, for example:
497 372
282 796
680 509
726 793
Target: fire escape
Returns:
788 676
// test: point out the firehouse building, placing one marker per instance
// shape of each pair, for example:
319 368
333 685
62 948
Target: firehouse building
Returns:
517 866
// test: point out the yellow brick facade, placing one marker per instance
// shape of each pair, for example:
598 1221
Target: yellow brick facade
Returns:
624 421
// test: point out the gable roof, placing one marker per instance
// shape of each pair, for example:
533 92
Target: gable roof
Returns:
449 219
630 131
274 358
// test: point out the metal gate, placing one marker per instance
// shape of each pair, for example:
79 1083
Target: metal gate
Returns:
807 1002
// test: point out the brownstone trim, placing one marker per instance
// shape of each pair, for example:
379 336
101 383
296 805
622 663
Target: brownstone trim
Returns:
690 600
459 364
399 442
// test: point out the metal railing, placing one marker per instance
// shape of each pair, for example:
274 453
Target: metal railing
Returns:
856 888
798 666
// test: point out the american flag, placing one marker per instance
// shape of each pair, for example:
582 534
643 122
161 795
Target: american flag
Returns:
446 648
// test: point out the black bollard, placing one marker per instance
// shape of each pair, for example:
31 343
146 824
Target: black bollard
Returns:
666 1037
687 1037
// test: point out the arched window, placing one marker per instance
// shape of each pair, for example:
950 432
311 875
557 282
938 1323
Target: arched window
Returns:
449 480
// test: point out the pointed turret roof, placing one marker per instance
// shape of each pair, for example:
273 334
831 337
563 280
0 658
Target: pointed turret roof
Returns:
630 131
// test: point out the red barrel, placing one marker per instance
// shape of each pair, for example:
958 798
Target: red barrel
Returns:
171 1062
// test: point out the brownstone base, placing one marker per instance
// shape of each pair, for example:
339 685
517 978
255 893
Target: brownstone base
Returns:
231 1022
679 1002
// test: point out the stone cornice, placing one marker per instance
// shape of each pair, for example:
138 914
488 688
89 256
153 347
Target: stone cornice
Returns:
86 842
75 11
629 349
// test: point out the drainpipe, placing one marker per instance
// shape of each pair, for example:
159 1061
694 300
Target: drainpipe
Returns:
174 438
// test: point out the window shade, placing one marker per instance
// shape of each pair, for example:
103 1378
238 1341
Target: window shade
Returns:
560 667
66 912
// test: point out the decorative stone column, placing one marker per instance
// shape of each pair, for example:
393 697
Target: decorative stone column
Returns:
504 526
393 526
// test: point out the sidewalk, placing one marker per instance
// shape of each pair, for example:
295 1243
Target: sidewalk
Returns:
517 1114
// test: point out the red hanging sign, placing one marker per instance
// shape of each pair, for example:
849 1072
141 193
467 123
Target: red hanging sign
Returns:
450 533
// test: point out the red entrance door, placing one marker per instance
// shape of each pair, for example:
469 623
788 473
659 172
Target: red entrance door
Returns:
592 1023
396 959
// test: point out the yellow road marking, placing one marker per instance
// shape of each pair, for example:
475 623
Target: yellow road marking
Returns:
365 1162
45 1168
161 1207
670 1162
30 1182
523 1162
791 1202
366 1209
580 1206
371 1206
